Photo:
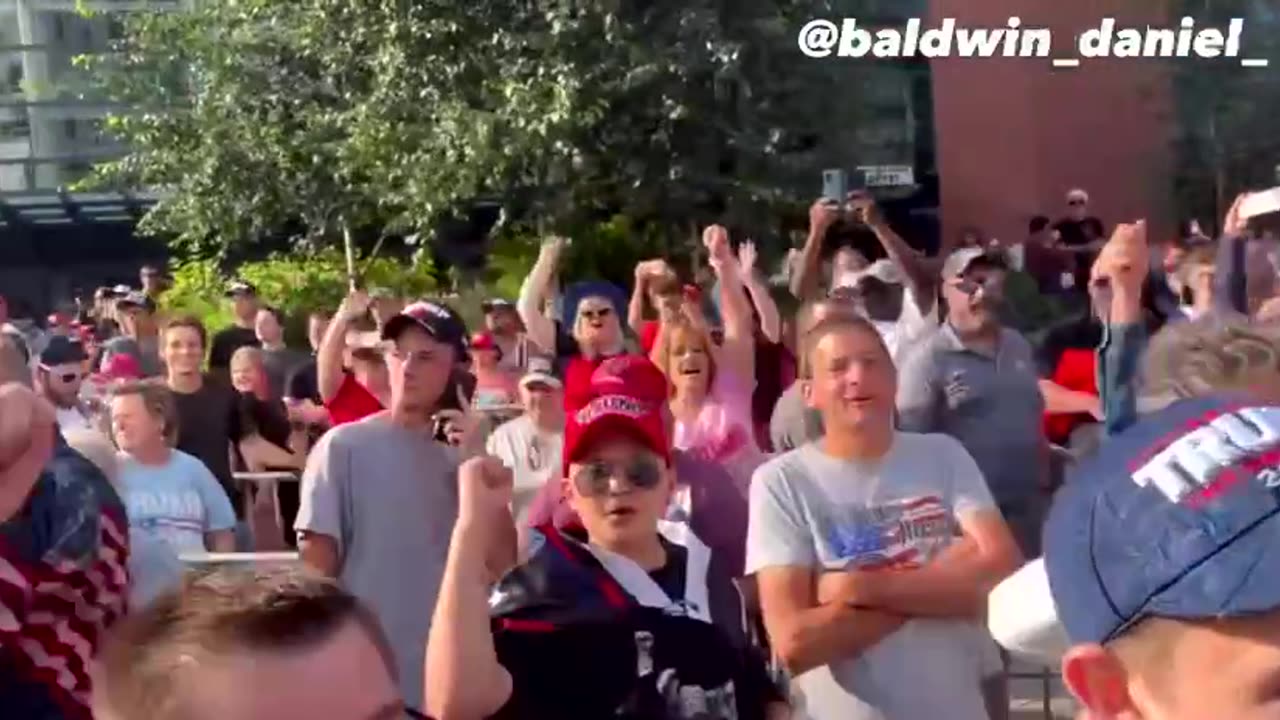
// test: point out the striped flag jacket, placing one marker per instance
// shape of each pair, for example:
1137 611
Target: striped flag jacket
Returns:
63 582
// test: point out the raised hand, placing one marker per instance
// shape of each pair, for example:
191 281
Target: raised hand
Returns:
864 208
822 215
1232 224
1125 260
747 257
653 269
26 444
355 305
716 240
485 489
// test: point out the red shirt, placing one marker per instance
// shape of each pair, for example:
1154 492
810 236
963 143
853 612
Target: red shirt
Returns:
352 402
649 335
1076 370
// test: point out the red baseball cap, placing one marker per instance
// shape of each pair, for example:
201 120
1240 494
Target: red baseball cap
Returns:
121 366
483 341
626 397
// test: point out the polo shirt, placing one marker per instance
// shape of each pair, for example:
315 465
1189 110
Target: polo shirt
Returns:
991 404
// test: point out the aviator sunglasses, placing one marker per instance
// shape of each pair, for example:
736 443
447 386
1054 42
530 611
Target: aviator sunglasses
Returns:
592 479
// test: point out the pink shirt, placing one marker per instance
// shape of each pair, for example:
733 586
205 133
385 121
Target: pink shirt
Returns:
722 432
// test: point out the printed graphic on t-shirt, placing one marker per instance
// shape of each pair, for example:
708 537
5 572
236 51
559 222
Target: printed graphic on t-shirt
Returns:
903 533
683 702
176 517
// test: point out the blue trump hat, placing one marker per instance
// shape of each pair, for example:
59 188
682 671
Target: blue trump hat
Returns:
579 291
1177 517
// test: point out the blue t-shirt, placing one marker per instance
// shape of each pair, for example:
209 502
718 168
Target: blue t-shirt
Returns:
177 502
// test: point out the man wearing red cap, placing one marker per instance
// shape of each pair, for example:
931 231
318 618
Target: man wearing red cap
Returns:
626 616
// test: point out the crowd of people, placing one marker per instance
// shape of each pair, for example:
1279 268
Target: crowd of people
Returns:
682 504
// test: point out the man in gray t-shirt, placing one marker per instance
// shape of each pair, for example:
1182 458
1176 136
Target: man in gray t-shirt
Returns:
387 497
379 496
977 382
874 550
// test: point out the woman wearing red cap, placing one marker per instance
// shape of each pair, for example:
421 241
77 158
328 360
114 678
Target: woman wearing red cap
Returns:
496 386
627 617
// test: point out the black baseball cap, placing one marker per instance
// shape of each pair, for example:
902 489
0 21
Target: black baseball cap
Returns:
438 320
61 350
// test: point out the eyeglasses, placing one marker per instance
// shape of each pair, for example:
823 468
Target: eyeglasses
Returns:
600 313
593 478
66 377
1075 202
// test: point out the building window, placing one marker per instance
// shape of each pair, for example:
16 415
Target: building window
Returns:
70 129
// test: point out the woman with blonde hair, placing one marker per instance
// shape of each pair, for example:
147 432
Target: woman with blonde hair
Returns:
711 385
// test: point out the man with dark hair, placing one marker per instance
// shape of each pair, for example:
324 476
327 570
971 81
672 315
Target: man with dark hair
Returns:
209 418
248 645
379 495
153 280
59 377
226 342
278 360
1052 267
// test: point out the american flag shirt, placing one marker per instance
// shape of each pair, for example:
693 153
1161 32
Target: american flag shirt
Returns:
63 582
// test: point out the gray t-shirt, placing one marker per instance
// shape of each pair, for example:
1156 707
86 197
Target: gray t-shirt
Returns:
388 497
793 422
811 510
279 364
992 405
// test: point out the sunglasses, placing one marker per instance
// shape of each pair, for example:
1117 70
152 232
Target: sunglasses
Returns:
599 314
592 479
990 286
66 377
1075 202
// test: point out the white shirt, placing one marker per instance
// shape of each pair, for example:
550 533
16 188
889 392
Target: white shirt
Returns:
73 418
533 456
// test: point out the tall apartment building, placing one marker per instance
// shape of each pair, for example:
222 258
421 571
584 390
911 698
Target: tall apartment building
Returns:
52 240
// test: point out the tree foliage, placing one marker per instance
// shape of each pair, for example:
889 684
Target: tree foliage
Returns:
295 283
1226 140
251 115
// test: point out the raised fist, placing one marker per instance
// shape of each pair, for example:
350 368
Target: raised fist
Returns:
26 444
485 488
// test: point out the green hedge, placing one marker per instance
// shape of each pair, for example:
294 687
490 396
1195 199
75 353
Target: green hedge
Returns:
294 283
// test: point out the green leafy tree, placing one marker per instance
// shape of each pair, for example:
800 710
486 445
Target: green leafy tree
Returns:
366 117
1225 140
296 283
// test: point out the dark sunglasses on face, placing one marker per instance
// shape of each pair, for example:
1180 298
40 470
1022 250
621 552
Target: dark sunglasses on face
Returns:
1075 203
66 377
593 478
989 286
